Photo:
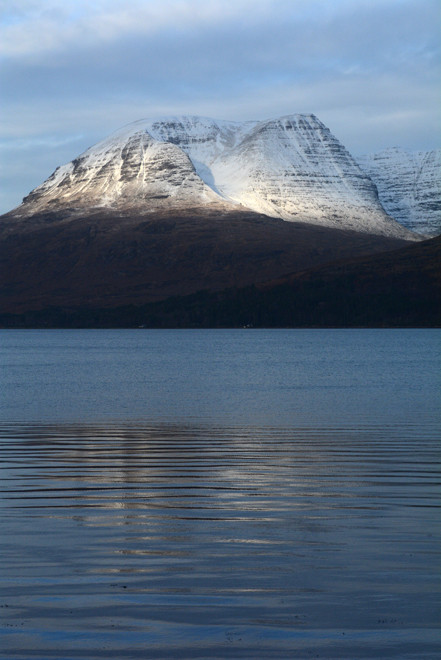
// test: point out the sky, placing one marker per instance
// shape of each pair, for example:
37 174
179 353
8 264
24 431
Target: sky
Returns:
73 71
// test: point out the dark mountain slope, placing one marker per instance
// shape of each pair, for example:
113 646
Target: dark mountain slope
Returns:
98 260
395 289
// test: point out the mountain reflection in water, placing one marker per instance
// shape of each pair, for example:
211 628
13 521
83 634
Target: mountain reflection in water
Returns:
166 541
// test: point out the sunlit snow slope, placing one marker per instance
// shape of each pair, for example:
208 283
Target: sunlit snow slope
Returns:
127 171
291 168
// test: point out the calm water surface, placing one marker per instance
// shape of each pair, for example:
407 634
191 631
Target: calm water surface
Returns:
220 494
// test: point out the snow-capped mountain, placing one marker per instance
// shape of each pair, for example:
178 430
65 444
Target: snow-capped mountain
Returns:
291 168
409 186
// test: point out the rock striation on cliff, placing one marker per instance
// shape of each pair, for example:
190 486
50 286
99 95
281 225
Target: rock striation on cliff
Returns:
409 186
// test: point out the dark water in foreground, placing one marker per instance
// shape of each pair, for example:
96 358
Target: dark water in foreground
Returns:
211 494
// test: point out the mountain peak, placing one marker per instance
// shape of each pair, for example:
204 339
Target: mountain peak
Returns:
290 167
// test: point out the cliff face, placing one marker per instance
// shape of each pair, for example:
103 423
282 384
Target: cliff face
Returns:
291 168
295 169
409 186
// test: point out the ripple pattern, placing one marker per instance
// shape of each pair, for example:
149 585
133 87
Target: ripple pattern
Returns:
195 541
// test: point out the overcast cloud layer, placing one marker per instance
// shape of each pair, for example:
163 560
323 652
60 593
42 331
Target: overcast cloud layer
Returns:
74 70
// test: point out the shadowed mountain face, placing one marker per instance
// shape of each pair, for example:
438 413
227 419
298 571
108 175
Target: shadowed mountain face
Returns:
106 261
393 289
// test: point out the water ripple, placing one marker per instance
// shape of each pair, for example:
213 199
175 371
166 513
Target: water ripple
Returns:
168 540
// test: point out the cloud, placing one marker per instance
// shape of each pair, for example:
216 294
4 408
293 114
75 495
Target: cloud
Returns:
37 28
